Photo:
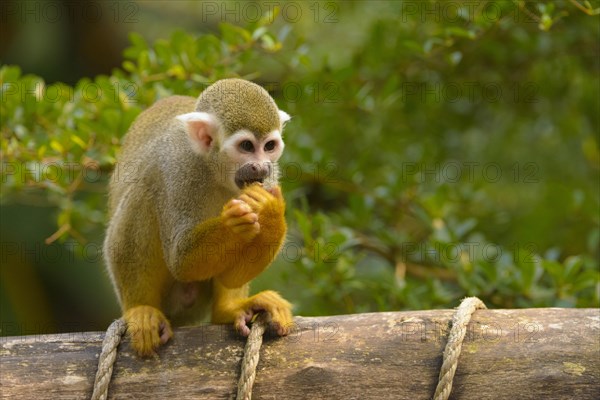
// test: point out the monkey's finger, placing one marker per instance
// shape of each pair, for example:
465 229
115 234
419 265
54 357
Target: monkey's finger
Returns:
237 210
250 201
248 232
276 192
247 219
241 228
231 203
255 200
258 193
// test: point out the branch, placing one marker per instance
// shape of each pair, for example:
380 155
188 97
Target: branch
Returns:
507 354
587 10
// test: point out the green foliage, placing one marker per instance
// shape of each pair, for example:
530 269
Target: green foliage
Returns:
63 138
439 159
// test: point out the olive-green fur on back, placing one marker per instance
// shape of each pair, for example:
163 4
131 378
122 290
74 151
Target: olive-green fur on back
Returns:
240 104
140 140
160 115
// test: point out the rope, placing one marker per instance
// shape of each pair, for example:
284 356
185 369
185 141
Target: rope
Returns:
250 360
116 330
107 358
460 320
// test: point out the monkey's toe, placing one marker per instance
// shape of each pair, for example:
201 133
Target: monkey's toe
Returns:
281 320
278 309
241 322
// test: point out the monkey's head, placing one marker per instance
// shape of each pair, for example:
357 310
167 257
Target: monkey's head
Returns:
237 127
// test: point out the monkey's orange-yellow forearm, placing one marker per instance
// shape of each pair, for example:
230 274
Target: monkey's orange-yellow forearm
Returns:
260 252
201 255
216 251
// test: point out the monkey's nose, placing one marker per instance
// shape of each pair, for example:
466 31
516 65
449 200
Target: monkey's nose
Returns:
252 172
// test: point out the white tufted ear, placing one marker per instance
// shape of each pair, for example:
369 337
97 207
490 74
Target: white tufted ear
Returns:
284 117
202 130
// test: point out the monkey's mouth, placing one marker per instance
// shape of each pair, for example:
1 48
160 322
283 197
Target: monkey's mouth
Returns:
251 173
242 183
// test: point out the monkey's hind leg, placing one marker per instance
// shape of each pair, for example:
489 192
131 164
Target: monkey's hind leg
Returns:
148 328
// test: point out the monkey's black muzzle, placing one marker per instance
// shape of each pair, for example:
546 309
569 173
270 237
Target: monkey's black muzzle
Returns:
250 173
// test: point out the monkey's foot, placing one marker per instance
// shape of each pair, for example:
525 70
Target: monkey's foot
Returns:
148 328
241 219
278 309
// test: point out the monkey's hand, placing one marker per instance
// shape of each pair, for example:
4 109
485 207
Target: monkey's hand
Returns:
241 215
258 197
241 311
241 219
266 233
148 328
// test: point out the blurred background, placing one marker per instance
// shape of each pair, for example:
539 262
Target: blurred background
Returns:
437 149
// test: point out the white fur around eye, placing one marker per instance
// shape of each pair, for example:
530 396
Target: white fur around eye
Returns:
231 145
279 145
237 138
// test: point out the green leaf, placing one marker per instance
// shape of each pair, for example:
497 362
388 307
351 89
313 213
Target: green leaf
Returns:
177 71
460 32
429 43
270 42
56 146
555 269
234 34
77 140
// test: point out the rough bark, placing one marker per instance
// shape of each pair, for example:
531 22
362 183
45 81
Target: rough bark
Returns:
507 354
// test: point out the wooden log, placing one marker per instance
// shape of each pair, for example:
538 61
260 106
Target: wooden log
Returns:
526 354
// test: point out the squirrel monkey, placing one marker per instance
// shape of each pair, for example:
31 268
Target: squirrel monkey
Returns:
196 213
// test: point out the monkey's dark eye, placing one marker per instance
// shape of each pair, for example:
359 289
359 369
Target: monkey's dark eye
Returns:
247 145
270 146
